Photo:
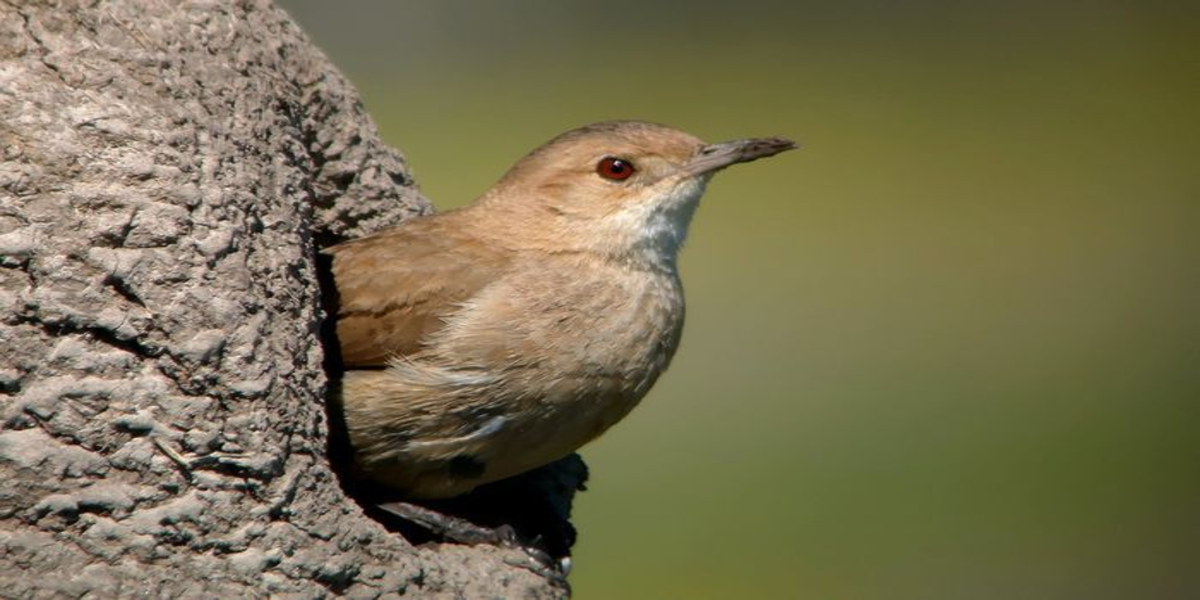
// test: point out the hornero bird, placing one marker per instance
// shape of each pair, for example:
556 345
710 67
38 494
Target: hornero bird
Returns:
486 341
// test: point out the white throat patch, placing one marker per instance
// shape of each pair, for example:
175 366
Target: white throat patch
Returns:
653 232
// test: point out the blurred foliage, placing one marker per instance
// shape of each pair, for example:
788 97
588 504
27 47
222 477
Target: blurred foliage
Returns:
949 349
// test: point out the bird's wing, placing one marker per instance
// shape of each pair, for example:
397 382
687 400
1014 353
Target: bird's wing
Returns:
397 287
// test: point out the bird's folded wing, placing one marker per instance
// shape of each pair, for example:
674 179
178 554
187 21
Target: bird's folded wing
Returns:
397 287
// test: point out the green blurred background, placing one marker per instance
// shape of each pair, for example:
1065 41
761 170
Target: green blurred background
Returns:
949 349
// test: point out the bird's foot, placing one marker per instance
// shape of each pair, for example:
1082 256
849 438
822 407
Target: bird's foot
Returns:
451 528
461 531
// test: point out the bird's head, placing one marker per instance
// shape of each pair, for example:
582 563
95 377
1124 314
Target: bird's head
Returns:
623 189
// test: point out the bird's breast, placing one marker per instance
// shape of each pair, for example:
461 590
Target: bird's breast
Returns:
578 345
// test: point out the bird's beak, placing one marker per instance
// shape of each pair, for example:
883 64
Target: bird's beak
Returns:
715 157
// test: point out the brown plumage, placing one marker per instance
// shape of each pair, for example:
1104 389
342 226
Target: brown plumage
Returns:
487 341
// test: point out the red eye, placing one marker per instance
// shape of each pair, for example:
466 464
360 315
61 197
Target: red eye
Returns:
616 169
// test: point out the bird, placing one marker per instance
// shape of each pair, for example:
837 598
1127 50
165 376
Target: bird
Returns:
486 341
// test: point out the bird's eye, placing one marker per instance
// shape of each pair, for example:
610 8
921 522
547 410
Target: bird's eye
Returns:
616 169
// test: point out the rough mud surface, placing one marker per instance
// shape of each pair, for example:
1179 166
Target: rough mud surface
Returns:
167 170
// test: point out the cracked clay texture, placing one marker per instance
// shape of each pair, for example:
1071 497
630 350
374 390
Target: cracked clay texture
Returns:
167 170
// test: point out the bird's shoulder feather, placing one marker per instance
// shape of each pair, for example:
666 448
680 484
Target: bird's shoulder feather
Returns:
398 286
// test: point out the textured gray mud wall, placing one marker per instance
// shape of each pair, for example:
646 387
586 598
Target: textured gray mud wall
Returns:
166 168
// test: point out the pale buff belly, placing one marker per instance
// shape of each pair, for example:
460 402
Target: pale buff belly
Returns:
413 457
